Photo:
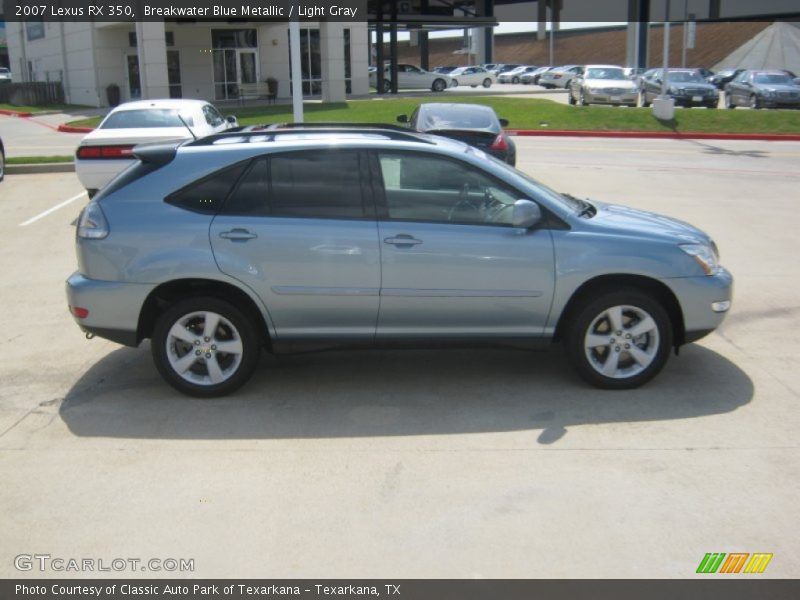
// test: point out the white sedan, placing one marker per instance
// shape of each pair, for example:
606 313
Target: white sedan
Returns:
107 150
410 77
472 76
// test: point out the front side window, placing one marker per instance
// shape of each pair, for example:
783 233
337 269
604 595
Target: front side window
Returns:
421 187
212 116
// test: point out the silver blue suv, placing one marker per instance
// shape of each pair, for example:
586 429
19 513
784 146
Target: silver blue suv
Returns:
321 237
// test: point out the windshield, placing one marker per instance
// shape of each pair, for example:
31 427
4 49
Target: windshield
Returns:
772 79
685 77
153 117
605 73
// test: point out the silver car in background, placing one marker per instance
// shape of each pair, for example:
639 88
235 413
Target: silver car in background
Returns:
320 237
603 84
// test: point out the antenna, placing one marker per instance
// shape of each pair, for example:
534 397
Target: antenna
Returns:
186 125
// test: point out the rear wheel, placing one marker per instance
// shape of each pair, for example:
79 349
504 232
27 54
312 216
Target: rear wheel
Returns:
2 164
487 83
205 347
729 101
620 340
755 103
439 85
643 99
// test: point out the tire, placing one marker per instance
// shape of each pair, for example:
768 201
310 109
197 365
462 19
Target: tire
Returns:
439 85
754 103
515 80
582 99
645 103
2 164
474 85
387 85
594 322
728 102
487 83
183 360
455 82
571 99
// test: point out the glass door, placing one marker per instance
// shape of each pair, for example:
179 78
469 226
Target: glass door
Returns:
134 83
232 68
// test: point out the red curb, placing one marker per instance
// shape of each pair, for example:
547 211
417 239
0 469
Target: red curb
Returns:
71 129
14 113
668 135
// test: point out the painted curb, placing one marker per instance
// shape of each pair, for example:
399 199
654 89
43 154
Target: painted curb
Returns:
71 129
658 135
14 113
37 168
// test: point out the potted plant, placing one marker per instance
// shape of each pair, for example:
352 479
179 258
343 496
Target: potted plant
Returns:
113 94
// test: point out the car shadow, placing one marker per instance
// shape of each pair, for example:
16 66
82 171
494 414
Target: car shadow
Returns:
394 393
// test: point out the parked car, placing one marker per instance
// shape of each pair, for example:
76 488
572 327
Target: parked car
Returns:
108 150
314 238
634 72
472 76
503 68
533 76
763 89
489 66
474 124
685 86
514 75
410 77
2 160
559 77
5 74
603 84
723 77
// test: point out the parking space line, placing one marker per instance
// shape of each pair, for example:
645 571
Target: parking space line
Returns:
41 215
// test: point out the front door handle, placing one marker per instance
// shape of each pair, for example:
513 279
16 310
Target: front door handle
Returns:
401 240
238 235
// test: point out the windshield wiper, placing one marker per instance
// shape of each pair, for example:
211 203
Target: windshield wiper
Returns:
586 209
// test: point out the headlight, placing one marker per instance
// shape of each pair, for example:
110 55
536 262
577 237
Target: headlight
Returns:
704 255
768 94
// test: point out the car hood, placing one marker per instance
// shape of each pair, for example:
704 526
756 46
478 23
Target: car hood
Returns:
641 223
694 85
610 83
777 87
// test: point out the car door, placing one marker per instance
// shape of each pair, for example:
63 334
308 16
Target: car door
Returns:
299 229
451 264
738 88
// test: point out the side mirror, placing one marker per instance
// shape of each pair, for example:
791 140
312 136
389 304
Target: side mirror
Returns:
503 122
232 120
796 80
402 118
525 214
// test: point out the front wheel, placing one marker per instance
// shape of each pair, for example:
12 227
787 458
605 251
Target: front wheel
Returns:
582 100
644 101
729 102
2 165
439 85
487 83
515 80
205 347
620 340
755 104
571 99
455 82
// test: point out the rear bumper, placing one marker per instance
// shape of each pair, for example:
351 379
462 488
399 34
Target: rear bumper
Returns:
94 174
696 295
113 307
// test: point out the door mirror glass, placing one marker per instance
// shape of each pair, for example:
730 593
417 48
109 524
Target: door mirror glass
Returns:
402 118
525 214
232 120
504 122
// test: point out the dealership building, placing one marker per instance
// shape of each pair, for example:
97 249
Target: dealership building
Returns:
190 59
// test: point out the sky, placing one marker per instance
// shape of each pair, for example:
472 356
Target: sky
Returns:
508 27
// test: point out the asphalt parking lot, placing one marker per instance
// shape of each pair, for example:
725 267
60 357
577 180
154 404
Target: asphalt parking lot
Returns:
454 463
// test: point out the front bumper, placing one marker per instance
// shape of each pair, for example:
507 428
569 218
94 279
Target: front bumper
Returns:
696 295
114 307
690 101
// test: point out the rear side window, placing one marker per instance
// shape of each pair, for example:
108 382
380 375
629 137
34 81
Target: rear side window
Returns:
312 184
207 195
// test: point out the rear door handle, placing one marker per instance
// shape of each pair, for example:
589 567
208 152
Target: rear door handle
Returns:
402 239
238 235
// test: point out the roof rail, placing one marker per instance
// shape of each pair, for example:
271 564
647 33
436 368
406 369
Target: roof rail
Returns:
269 134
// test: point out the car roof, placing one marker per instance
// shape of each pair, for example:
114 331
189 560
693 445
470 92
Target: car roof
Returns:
603 67
454 105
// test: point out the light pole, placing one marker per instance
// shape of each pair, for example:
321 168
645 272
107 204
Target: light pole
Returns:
663 105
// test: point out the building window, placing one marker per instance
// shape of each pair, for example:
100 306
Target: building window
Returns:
34 30
235 61
311 61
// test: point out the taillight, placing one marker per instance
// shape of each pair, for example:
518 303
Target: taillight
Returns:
78 312
116 151
499 144
92 224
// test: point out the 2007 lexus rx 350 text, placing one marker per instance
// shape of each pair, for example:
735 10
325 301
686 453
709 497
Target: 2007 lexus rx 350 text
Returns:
322 237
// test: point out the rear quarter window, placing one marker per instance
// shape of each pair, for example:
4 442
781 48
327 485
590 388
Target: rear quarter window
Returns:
208 194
